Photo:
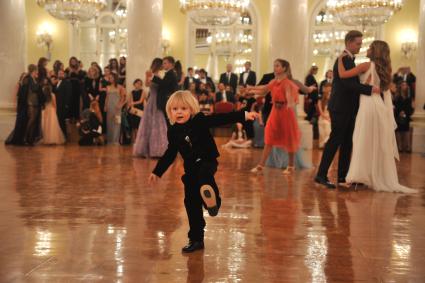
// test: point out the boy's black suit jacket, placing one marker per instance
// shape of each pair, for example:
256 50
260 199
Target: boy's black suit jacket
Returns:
194 141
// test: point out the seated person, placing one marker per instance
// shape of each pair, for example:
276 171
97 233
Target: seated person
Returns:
239 138
223 96
90 125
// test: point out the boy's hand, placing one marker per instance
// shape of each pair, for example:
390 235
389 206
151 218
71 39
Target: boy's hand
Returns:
251 116
152 179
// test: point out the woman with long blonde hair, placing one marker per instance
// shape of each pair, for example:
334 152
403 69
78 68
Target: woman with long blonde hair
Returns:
374 143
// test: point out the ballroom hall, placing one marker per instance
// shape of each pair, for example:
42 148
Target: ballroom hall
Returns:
318 174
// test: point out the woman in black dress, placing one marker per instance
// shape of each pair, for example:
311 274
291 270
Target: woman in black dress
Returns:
137 101
403 110
75 76
180 74
114 66
30 100
121 71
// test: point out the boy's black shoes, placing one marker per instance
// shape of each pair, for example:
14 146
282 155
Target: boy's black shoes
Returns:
210 199
325 182
193 246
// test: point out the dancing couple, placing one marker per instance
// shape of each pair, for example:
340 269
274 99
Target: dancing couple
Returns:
362 120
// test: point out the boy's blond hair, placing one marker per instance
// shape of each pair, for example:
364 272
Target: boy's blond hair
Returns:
182 97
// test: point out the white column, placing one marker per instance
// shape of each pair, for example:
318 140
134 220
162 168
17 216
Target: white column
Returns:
12 48
288 34
288 41
144 20
418 140
420 69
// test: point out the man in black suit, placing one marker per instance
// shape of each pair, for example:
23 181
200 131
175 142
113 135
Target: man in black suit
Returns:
63 92
268 98
224 96
229 78
190 78
343 106
167 85
248 77
203 78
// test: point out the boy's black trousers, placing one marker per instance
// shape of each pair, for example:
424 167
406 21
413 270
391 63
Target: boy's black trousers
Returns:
198 174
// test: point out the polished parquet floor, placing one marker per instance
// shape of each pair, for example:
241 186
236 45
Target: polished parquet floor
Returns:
75 214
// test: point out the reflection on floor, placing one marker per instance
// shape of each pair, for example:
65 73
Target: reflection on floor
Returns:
72 214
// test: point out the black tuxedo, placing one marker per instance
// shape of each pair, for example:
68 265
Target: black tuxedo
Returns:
63 93
250 80
209 81
343 106
187 82
268 98
196 145
233 82
194 141
230 97
166 87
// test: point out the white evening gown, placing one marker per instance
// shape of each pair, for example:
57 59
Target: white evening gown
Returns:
374 143
52 133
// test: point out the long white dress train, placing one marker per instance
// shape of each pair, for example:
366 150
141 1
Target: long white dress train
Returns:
374 143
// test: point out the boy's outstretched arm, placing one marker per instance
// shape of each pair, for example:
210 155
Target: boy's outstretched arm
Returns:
217 120
166 160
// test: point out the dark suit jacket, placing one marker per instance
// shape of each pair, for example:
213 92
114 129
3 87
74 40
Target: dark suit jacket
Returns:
166 87
194 141
346 92
63 94
266 79
186 83
268 98
233 80
250 80
229 95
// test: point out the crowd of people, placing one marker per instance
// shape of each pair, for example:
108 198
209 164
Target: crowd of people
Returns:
171 112
100 103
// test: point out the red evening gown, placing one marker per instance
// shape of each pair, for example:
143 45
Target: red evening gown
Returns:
282 127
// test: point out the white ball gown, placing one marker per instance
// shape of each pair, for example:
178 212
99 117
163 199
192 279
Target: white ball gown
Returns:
52 133
374 143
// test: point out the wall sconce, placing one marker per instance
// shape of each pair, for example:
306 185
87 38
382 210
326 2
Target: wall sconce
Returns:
165 41
44 38
408 43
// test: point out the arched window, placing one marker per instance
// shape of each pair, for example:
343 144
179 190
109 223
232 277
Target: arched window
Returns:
327 38
212 47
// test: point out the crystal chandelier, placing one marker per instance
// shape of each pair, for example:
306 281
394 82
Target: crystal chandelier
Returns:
364 12
214 12
73 10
